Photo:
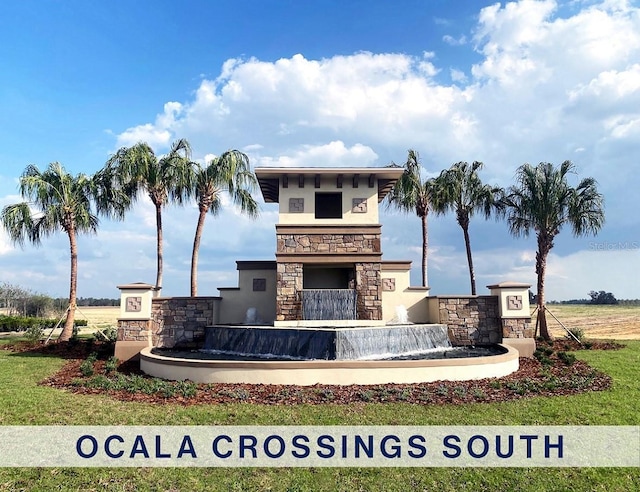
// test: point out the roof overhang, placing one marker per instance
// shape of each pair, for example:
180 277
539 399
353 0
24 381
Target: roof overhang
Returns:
270 178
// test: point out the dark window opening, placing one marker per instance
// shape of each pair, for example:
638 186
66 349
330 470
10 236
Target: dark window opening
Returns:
328 205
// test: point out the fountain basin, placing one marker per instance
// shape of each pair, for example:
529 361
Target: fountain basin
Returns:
337 372
325 342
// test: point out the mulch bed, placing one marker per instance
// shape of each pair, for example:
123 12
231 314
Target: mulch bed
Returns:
533 378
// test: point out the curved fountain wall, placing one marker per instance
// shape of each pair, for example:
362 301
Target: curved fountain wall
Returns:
335 372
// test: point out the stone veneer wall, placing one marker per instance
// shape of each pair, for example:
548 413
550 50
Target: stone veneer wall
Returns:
517 328
369 287
328 243
134 330
288 286
180 321
471 320
290 283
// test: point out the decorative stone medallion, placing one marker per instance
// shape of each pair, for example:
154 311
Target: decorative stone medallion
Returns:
259 284
133 305
296 205
359 206
388 284
514 303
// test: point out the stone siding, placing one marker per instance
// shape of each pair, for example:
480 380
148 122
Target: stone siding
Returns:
517 328
180 321
471 320
133 330
369 287
288 287
328 243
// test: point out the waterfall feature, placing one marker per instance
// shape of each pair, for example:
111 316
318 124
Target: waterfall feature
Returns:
319 304
399 341
391 342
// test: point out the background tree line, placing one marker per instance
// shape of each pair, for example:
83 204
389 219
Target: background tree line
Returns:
16 300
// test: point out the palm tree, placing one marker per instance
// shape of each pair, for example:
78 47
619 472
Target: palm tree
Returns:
230 173
460 189
60 202
413 194
543 201
169 177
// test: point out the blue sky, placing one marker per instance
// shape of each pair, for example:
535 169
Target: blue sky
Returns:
326 83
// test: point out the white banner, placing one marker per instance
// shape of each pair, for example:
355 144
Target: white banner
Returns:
307 446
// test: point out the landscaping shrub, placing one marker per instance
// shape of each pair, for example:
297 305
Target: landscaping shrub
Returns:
34 333
23 323
577 333
109 334
111 365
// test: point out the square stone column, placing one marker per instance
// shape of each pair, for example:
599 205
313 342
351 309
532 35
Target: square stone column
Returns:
134 323
288 287
515 315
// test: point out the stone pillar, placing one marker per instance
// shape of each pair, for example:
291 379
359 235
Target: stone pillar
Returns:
369 287
134 323
288 288
515 316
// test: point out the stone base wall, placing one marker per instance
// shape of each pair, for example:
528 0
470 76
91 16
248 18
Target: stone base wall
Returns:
471 320
134 330
180 321
288 287
328 243
517 328
369 287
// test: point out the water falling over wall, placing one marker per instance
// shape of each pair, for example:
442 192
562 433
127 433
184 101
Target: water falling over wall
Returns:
319 304
329 343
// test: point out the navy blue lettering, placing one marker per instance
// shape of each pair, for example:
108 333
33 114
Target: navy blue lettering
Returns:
499 452
268 452
345 446
139 447
107 446
368 448
396 452
305 449
187 448
251 446
529 439
548 446
330 449
94 446
416 442
159 450
485 446
216 451
448 444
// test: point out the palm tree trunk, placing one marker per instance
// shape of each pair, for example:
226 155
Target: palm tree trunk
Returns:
159 248
67 331
425 247
472 273
194 254
541 267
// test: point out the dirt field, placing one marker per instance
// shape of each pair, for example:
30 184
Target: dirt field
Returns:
606 322
98 317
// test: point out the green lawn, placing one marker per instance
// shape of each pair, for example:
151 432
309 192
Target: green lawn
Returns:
22 402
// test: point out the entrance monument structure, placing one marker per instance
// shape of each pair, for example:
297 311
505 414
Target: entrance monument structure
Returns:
328 275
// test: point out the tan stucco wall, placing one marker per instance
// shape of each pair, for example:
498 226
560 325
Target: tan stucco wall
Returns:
414 299
503 295
236 301
328 184
145 295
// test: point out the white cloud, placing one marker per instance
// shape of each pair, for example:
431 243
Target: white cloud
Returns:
454 41
333 154
548 86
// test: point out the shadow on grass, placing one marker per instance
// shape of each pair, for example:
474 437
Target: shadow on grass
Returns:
71 350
